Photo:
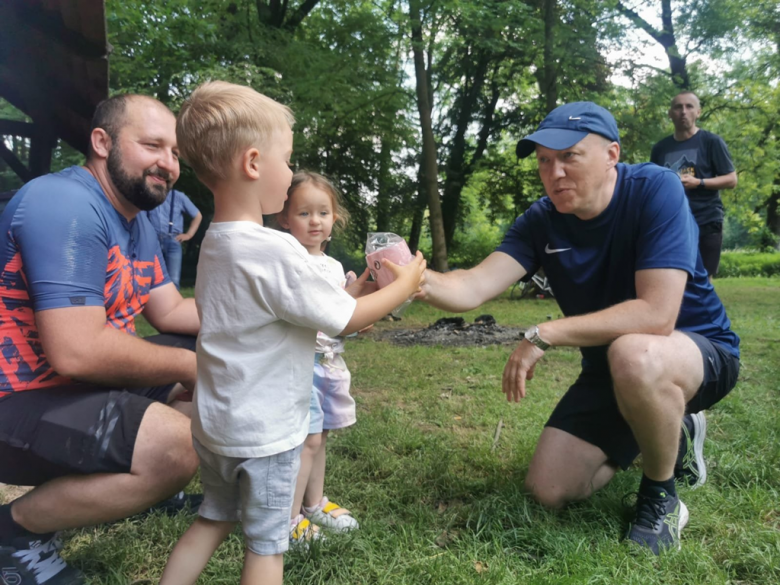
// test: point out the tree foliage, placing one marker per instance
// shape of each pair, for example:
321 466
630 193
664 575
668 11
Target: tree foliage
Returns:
491 68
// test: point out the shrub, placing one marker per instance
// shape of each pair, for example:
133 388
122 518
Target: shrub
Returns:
742 263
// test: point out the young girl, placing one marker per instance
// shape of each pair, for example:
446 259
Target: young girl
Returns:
312 209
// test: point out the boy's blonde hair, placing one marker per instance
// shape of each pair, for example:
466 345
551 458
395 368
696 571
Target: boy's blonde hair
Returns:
220 119
340 213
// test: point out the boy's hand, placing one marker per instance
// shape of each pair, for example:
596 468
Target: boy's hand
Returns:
412 274
360 287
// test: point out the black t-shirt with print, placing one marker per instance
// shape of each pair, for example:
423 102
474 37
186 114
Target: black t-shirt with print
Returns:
704 155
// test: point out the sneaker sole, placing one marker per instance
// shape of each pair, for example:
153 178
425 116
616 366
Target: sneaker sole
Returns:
700 432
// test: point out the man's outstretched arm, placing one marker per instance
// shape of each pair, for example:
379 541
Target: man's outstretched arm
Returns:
463 290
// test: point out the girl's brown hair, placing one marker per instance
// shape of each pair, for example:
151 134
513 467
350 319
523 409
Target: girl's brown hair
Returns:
341 215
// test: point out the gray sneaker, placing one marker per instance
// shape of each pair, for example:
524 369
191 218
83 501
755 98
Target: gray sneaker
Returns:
36 561
691 469
658 522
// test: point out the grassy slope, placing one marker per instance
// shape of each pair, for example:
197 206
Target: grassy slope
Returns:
438 505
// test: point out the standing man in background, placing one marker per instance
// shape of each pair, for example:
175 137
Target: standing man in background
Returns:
702 161
168 221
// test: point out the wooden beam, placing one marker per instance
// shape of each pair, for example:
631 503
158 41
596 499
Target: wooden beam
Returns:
34 105
51 24
15 164
41 147
16 128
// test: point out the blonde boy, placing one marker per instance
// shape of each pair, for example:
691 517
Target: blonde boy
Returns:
261 304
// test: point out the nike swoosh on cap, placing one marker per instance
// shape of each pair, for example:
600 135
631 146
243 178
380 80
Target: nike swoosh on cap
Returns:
573 118
554 251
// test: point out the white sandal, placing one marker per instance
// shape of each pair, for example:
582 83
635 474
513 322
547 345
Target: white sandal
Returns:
332 516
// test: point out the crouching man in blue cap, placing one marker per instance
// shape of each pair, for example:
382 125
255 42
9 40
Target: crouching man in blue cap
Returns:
619 246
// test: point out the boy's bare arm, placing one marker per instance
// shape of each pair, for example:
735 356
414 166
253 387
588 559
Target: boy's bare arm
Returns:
371 308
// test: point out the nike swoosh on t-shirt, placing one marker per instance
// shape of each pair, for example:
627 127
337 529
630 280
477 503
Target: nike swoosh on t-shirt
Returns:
554 251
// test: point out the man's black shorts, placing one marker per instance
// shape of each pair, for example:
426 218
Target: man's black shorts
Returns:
58 431
590 412
710 243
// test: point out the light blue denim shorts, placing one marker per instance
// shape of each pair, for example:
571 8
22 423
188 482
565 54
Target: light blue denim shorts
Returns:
258 492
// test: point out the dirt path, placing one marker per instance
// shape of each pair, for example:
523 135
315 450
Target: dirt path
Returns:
9 493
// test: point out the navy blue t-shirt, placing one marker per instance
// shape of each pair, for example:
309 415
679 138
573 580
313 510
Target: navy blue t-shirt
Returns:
591 264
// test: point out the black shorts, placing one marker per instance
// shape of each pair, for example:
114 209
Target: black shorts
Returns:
710 243
590 412
84 429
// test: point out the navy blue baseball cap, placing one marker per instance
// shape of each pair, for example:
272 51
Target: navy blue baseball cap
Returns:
566 125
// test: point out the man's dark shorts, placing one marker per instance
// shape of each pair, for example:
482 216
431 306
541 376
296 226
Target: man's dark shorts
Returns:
59 431
590 412
710 243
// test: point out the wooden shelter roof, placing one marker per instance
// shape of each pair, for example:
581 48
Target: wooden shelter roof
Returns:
54 66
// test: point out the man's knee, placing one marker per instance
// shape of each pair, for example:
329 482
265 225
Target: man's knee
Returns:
633 363
163 448
553 489
566 469
548 495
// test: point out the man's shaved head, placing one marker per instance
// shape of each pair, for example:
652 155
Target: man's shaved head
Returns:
111 114
686 93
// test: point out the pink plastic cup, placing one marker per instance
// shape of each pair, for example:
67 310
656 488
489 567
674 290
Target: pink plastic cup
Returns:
397 254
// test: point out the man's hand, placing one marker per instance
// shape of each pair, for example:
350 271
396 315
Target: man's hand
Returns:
519 368
194 225
689 182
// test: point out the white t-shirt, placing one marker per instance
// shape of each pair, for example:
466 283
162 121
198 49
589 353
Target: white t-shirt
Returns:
332 270
261 302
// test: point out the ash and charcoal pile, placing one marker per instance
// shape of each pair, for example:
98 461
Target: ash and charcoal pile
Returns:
455 331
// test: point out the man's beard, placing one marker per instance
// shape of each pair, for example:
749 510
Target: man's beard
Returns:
135 189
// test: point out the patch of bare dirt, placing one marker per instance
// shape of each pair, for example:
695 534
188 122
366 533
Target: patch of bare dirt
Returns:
455 331
8 493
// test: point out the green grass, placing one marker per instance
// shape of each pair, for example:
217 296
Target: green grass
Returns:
438 505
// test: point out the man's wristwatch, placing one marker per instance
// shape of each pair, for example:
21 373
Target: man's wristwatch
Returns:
532 335
701 184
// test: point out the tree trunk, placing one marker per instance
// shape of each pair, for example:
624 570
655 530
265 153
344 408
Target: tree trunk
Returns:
383 188
773 210
419 215
455 170
429 161
458 169
274 13
549 86
666 38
